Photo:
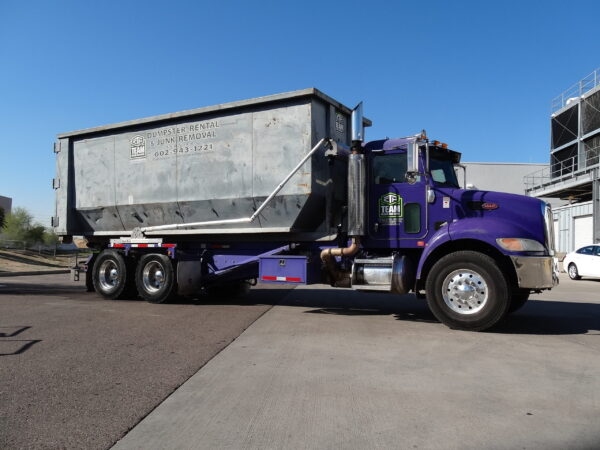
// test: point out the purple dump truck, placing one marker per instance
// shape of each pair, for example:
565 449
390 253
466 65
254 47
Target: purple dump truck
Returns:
284 189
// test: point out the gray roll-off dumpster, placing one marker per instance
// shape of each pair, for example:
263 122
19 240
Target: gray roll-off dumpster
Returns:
211 165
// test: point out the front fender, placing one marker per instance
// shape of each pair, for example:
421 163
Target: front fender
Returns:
439 238
474 229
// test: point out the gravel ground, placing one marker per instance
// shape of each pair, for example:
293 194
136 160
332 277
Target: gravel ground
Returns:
13 262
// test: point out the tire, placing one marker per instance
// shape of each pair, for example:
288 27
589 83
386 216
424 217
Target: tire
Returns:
89 274
155 278
573 272
466 290
110 275
518 300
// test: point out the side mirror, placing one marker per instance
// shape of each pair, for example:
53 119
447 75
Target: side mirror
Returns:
412 160
358 130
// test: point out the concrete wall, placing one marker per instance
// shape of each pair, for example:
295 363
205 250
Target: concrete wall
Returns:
503 177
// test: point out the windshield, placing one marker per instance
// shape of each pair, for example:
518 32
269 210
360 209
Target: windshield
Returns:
442 171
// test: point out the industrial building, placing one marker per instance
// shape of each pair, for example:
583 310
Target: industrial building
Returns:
6 204
498 176
573 175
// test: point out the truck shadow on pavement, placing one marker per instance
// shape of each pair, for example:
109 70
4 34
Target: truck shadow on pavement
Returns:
552 318
409 308
536 317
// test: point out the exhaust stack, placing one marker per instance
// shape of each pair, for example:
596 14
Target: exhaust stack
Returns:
357 177
356 205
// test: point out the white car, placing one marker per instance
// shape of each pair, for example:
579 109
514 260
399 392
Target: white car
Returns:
583 262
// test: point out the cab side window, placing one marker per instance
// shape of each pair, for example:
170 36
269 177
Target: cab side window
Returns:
388 169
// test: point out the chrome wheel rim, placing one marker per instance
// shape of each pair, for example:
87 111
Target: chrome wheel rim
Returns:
108 275
465 292
572 271
153 277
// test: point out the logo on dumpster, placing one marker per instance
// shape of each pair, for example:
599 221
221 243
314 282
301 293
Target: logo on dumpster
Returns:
138 147
391 208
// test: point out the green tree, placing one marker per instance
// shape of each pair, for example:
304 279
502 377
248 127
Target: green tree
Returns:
35 234
19 226
2 215
51 238
16 224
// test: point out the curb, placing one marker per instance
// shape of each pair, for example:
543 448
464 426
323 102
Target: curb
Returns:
36 272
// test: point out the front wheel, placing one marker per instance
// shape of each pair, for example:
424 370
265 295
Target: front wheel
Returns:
155 278
466 290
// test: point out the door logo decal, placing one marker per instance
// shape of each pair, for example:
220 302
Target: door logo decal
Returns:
391 208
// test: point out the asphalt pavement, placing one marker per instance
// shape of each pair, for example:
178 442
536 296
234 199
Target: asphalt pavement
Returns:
336 369
78 371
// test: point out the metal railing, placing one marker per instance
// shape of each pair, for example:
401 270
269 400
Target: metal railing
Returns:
577 90
562 170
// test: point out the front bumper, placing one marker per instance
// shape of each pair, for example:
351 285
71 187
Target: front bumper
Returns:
536 272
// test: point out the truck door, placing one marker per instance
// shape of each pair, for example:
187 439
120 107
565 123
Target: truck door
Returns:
397 214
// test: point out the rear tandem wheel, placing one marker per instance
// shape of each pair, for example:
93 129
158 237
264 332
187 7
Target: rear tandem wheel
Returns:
111 275
155 278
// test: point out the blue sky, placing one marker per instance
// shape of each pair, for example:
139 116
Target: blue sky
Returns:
479 75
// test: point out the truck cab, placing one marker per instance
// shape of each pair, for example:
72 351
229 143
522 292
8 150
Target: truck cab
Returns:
408 206
475 255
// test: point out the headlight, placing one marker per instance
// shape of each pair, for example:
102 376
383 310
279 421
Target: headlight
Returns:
520 245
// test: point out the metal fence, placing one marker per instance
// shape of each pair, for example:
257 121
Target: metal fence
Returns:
40 249
577 90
